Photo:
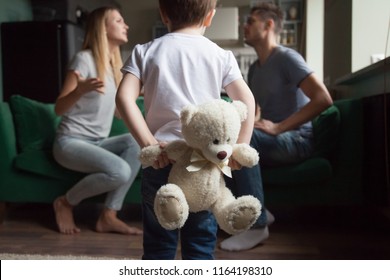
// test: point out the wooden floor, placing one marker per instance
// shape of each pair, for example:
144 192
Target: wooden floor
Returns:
307 233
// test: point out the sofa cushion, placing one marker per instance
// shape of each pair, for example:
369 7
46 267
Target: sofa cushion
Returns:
43 163
35 123
326 130
312 170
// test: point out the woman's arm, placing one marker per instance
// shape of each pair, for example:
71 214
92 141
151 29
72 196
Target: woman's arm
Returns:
74 87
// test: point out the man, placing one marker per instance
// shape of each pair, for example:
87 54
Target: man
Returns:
288 96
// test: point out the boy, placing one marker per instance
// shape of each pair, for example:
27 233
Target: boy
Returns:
181 68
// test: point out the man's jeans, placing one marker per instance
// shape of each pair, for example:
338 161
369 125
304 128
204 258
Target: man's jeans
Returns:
286 148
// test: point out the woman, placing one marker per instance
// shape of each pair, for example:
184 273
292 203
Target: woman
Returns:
87 105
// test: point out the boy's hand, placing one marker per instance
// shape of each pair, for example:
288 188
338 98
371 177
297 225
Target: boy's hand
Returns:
162 160
233 164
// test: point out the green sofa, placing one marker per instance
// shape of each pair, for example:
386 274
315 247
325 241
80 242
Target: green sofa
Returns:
28 172
334 175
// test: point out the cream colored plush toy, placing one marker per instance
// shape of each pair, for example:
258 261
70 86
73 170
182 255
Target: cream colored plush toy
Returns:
196 180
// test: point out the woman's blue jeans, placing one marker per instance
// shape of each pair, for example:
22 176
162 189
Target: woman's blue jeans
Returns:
286 148
111 164
197 237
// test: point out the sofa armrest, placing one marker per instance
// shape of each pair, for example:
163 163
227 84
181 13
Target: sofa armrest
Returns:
348 156
326 128
7 139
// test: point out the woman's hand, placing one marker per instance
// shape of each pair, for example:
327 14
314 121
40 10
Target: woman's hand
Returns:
87 85
73 89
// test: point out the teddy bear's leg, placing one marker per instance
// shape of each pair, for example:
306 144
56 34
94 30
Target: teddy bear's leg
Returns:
171 207
237 215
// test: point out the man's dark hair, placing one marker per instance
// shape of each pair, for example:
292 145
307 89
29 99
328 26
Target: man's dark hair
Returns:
268 10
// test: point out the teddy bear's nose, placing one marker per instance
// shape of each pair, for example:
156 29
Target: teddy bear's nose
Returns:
222 155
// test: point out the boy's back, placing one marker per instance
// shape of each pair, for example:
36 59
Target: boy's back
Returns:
177 70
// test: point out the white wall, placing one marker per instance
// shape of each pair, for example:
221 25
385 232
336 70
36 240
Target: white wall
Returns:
140 16
315 36
370 23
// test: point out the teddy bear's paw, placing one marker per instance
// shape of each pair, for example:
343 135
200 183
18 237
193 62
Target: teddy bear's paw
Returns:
245 155
149 154
171 207
244 213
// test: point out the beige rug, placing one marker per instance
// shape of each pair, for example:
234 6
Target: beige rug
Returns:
50 257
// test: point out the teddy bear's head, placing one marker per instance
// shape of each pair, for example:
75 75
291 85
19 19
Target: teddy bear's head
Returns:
212 128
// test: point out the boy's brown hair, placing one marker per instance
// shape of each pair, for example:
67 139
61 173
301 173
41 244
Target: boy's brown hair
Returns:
184 13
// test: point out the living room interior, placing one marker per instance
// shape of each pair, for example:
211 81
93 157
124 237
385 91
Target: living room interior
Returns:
344 192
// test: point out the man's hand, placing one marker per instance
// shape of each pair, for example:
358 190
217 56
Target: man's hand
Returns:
267 126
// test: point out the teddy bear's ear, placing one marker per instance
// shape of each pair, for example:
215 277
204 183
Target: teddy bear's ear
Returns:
187 113
241 109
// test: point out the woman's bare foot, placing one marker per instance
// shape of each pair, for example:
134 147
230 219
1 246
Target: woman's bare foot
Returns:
64 216
109 222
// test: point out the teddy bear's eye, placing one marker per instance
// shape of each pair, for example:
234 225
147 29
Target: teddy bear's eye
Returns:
228 140
216 142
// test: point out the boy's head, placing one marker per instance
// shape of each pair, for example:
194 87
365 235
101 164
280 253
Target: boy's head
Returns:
184 13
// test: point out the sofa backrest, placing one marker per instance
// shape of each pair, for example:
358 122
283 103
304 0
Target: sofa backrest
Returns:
36 123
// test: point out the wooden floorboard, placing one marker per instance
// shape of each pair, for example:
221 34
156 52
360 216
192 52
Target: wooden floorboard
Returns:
343 233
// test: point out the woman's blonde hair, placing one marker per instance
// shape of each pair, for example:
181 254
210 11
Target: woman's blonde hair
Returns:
95 39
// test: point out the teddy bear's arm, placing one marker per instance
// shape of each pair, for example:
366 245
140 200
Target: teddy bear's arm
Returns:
149 155
245 155
176 149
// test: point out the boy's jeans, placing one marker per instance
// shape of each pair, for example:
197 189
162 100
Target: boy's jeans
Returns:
198 236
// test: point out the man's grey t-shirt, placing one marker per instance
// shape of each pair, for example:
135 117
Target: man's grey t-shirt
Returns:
275 85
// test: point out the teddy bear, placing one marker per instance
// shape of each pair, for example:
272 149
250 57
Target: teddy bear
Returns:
196 182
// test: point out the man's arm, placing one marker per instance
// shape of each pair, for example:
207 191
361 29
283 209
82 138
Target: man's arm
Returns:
320 99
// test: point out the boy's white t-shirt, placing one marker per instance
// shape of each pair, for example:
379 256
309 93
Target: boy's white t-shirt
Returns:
177 70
